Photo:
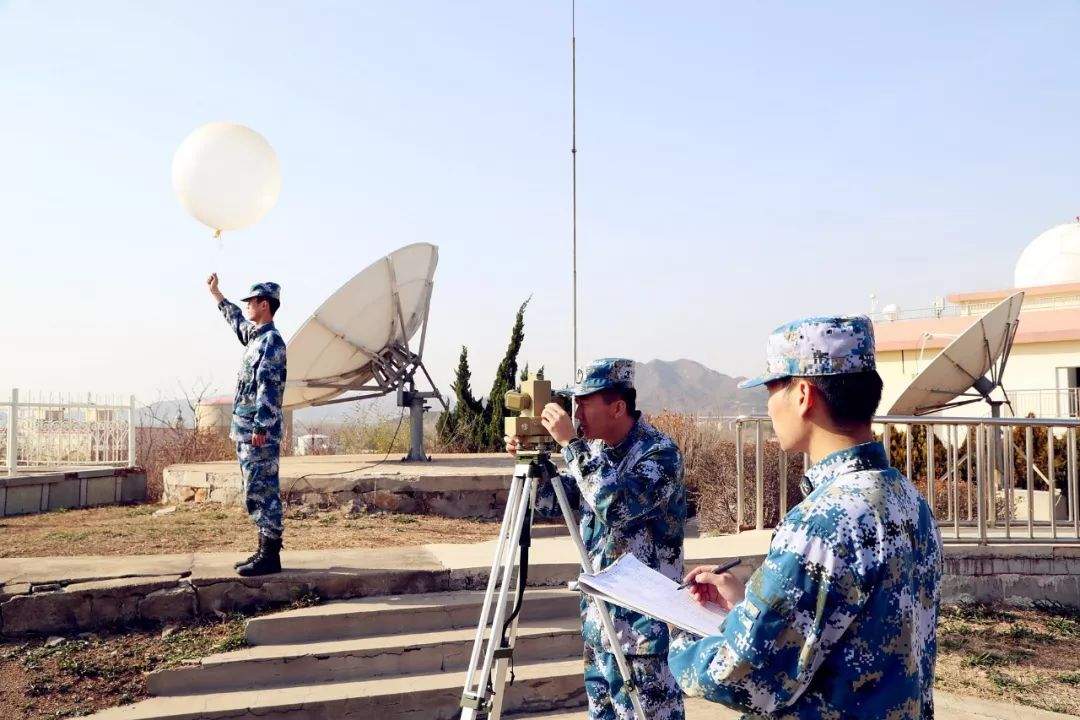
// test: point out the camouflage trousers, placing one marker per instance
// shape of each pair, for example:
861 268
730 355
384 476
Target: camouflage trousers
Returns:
262 494
661 698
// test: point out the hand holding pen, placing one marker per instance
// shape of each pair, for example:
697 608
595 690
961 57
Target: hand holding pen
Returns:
715 584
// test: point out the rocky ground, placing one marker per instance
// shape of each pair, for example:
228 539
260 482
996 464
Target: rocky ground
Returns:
71 676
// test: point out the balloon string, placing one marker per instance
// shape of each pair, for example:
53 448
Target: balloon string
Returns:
220 242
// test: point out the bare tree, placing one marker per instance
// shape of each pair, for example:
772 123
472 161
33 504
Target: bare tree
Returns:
165 439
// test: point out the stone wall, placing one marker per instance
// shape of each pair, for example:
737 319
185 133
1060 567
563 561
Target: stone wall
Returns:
42 492
419 488
56 608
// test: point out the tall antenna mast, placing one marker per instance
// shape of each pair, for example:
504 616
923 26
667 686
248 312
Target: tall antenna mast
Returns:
573 189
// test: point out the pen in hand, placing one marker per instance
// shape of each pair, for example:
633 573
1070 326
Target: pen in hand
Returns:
721 568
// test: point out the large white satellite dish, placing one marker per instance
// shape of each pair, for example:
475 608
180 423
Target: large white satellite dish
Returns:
356 345
969 369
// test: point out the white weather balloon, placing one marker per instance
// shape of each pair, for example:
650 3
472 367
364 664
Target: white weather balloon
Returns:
227 176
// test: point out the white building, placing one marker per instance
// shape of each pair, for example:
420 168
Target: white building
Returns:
1043 371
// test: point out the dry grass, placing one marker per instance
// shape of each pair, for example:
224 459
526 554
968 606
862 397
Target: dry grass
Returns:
1028 657
709 462
133 530
159 447
94 671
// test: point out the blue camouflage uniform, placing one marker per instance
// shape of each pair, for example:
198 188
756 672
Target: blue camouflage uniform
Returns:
260 386
631 499
839 621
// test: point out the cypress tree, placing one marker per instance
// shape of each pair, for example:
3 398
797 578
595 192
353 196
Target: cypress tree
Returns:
458 426
492 427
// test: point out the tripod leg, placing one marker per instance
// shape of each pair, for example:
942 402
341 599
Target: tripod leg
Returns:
474 700
502 664
475 692
605 615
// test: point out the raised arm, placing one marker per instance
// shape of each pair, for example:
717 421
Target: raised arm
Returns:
233 315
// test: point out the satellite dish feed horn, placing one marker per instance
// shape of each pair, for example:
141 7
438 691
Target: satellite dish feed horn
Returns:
355 346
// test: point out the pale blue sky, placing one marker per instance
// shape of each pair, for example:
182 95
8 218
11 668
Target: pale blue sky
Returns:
740 164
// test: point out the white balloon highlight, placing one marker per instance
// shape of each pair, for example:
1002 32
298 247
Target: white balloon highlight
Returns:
227 176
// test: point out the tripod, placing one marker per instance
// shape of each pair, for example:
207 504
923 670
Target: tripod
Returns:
485 682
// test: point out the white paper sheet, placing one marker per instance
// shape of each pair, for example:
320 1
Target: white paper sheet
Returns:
629 583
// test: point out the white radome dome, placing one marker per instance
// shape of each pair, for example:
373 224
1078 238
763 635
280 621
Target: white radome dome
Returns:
1053 258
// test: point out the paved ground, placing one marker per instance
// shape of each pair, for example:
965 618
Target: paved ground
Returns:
553 552
556 553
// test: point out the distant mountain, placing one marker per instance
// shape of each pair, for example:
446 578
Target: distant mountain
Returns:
690 387
678 385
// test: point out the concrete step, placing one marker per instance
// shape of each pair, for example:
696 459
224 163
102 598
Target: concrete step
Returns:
359 659
539 687
396 615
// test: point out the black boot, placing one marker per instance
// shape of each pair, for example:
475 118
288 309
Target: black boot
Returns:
250 558
267 560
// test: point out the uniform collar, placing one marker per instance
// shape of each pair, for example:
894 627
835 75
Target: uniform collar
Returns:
636 431
867 456
260 329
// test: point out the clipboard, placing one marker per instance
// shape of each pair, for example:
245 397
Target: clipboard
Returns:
631 584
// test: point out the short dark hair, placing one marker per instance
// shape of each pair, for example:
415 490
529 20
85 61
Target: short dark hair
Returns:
627 395
851 399
274 305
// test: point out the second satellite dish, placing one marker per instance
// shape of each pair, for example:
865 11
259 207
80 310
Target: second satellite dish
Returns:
970 368
358 340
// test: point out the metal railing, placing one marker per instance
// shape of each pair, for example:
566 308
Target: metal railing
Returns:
922 313
1046 403
986 479
1031 303
60 430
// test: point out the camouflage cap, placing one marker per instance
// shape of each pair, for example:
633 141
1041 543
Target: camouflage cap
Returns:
264 290
603 374
818 346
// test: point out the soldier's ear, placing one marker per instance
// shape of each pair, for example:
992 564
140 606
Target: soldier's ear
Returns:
805 396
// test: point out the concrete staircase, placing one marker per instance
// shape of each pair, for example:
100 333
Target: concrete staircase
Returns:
388 658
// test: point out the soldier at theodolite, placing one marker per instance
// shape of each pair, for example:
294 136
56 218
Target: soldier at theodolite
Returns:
625 480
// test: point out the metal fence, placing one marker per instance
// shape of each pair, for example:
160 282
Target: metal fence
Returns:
997 480
1045 403
973 309
50 430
